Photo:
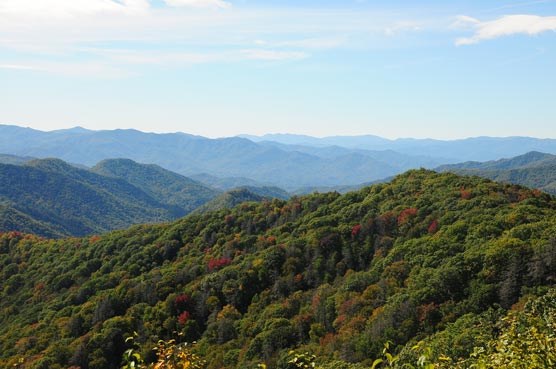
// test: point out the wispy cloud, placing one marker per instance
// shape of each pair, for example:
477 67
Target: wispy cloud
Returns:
72 69
180 59
17 67
315 43
116 64
69 8
273 55
153 57
518 5
402 26
505 26
199 3
180 33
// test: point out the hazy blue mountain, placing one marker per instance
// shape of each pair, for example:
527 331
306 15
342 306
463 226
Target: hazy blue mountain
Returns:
303 162
534 169
187 154
366 141
226 183
161 184
339 189
390 157
233 183
476 148
14 159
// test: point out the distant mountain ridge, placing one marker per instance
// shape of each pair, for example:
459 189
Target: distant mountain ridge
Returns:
189 155
459 150
287 161
304 140
14 159
226 183
534 169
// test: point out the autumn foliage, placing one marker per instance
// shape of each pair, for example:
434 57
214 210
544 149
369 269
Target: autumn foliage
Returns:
465 194
356 230
218 263
433 227
406 214
184 317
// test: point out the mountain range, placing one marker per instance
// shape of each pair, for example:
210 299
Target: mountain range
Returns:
286 161
448 151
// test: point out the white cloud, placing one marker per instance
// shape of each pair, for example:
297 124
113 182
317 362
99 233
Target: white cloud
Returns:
316 43
199 3
464 21
120 63
132 33
400 27
18 67
162 58
273 55
505 26
69 8
73 69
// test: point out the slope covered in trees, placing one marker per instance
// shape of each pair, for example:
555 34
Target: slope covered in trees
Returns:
163 185
13 219
534 169
52 198
76 201
434 257
229 199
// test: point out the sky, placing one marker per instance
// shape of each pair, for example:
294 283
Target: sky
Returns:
439 69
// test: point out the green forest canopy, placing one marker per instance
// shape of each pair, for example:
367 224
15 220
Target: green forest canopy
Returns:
434 257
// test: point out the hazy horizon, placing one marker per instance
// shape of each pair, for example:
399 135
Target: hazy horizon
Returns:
243 135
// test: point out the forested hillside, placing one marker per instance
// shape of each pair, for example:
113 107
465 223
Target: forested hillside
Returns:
52 198
13 219
534 169
434 257
163 185
230 199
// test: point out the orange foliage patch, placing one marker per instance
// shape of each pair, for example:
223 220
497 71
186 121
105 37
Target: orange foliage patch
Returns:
406 214
465 194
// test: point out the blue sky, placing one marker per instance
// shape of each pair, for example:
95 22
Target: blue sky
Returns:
220 68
